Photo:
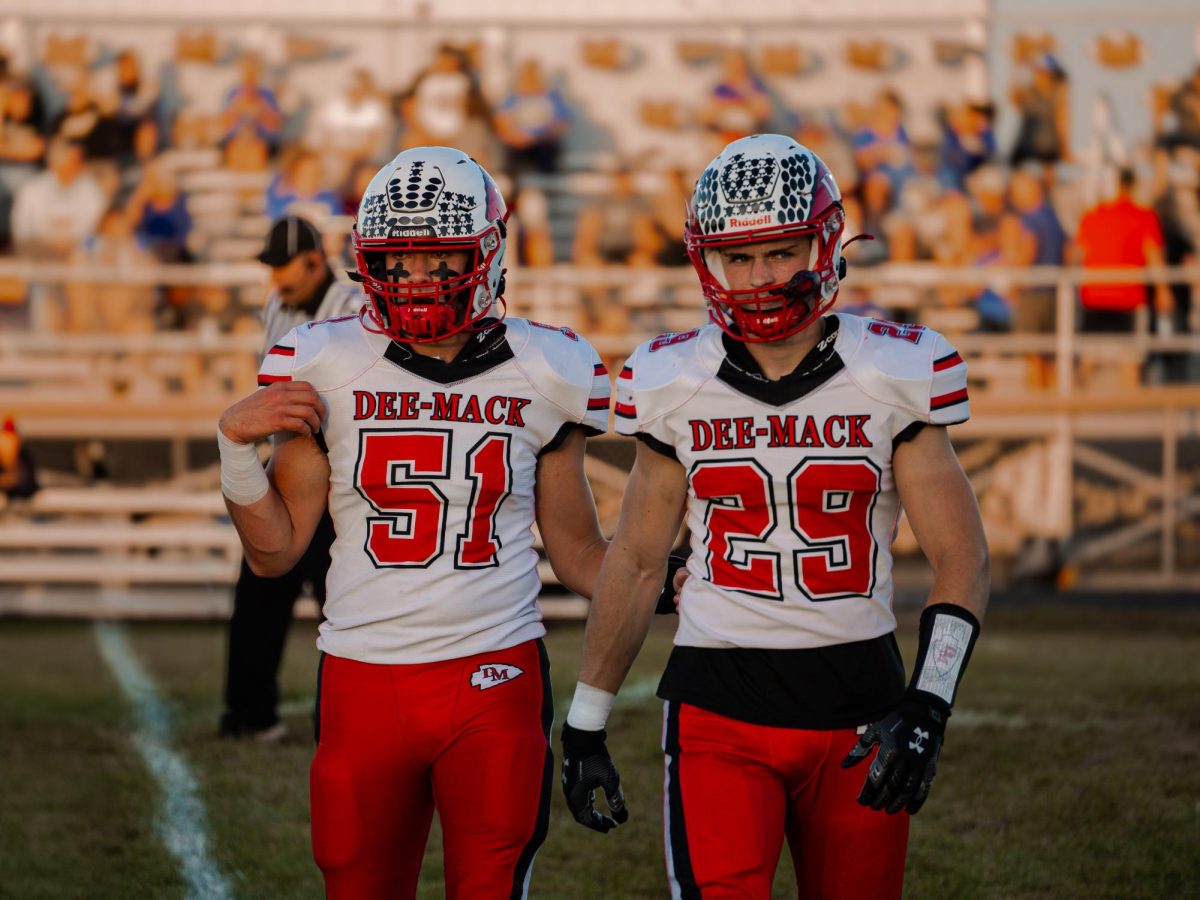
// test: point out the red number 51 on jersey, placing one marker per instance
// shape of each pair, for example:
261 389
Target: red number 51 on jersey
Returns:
398 471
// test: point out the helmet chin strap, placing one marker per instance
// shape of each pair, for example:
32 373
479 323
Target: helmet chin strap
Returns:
801 287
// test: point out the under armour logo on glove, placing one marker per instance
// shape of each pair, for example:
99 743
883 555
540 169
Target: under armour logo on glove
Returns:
919 740
901 773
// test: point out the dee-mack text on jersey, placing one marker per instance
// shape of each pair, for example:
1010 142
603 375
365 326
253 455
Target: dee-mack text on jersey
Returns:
440 407
779 431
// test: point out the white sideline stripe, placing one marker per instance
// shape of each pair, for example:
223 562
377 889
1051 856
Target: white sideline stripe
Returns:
298 707
970 718
181 820
672 881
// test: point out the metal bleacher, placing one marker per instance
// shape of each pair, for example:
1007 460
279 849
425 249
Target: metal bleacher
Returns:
1108 476
1050 466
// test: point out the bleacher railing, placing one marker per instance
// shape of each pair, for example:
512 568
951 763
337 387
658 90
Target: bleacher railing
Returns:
1066 430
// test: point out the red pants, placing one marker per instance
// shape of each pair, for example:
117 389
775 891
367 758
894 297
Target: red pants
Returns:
470 736
734 790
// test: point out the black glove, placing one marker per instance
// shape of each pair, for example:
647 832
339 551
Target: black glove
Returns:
909 739
666 600
587 766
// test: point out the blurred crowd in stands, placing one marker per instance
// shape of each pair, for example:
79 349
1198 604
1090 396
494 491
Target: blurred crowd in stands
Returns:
104 162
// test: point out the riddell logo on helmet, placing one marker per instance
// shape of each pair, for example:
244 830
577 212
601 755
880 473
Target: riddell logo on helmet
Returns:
764 219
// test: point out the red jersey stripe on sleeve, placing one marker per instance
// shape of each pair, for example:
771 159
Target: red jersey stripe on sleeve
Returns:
947 362
626 373
599 370
944 400
626 410
281 350
598 403
264 380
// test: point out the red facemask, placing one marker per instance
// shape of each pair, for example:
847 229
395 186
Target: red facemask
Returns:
432 310
774 311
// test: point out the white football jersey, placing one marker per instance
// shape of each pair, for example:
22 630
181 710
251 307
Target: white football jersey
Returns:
432 482
792 505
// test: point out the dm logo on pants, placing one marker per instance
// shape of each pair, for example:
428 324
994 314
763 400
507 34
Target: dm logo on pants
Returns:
488 675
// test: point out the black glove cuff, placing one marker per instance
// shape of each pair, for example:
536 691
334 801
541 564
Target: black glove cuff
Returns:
921 704
577 742
666 600
947 637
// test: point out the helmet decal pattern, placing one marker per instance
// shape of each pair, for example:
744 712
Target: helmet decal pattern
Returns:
746 182
417 204
799 180
416 192
706 205
744 189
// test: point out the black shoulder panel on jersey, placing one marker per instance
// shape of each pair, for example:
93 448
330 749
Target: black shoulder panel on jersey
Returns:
907 433
741 371
561 435
484 351
659 446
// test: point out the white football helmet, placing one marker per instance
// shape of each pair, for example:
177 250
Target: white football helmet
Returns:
763 188
431 199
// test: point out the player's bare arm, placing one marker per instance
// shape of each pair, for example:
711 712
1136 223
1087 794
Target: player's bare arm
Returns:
566 516
943 512
945 520
276 527
630 583
632 576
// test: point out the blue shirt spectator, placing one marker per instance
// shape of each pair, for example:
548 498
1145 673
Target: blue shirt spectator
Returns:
159 209
968 142
165 229
252 103
300 184
1038 218
531 121
739 103
883 145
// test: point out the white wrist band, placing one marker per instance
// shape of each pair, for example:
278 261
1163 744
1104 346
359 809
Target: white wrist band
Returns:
589 708
243 480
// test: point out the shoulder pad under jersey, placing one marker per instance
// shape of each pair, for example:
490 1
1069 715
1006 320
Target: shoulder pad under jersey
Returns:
327 354
908 366
564 368
661 374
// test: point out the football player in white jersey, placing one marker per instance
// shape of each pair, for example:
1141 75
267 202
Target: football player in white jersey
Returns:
439 434
790 438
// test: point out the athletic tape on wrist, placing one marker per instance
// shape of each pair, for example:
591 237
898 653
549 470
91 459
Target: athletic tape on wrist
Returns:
243 480
948 634
589 707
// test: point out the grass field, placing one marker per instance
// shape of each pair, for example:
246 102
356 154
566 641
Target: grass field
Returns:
1071 768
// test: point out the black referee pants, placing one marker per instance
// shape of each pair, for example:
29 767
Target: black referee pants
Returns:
262 613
